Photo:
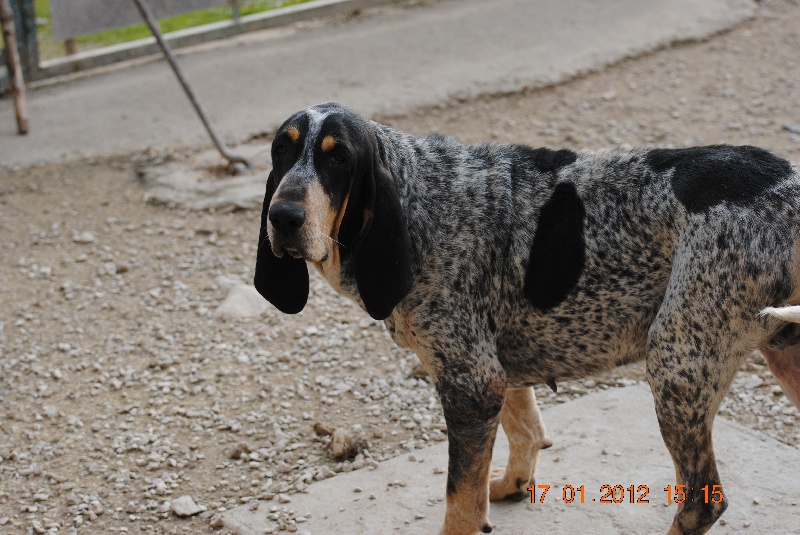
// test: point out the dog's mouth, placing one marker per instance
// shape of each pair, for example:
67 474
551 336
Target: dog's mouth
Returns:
298 247
294 253
300 254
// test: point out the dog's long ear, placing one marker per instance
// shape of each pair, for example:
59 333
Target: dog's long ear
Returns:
383 253
281 281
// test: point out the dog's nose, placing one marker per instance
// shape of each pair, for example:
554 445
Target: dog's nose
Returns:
287 217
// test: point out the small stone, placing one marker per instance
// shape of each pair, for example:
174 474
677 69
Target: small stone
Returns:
756 501
794 129
83 237
216 521
358 464
241 449
239 168
185 506
96 507
322 430
746 524
723 522
243 301
358 489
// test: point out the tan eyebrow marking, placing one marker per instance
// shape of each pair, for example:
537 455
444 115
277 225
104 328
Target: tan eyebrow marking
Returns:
328 142
294 133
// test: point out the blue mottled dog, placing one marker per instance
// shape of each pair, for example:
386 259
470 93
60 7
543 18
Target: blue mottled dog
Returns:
503 266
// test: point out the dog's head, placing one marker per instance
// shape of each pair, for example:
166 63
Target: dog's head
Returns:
330 201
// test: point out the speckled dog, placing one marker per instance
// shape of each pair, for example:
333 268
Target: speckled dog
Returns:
503 266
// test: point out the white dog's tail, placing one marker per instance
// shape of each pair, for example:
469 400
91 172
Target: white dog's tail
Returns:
790 313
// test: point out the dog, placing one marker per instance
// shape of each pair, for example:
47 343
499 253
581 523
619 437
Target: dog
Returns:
503 266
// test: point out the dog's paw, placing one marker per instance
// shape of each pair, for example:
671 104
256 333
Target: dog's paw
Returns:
466 527
506 488
486 527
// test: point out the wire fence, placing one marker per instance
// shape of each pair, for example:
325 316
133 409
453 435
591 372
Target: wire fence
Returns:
69 20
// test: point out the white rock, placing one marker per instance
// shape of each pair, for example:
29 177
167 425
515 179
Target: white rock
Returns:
96 507
226 282
83 237
185 506
243 301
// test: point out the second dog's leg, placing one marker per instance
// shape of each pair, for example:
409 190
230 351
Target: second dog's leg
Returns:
785 366
522 423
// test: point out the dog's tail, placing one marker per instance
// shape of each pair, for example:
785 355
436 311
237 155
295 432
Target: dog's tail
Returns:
790 313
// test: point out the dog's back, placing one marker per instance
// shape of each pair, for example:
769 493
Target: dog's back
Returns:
571 254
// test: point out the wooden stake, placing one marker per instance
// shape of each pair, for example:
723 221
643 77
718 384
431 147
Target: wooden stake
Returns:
150 20
14 66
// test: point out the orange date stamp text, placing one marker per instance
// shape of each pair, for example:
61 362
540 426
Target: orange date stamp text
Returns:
625 494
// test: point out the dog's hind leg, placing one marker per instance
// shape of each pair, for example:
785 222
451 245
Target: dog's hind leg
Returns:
688 384
785 366
695 346
523 425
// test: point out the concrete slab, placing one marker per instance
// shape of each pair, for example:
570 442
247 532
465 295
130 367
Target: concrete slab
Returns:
202 182
761 478
377 64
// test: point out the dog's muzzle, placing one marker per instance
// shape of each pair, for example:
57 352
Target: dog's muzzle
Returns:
287 218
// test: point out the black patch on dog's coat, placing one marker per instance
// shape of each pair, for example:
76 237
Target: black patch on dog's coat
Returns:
558 252
707 176
547 160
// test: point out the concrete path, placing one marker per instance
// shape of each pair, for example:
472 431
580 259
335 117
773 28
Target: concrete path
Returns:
608 438
383 62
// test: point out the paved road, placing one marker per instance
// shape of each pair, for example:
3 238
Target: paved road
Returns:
608 438
385 61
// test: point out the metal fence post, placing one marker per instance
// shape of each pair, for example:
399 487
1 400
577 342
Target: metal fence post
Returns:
236 9
25 22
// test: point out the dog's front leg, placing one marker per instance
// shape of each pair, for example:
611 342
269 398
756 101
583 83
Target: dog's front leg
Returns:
472 396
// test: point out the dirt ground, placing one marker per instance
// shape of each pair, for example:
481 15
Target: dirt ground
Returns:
120 390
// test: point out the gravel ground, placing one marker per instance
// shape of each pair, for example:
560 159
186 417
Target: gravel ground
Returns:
121 391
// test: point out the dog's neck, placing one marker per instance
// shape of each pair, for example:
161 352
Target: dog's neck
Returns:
416 171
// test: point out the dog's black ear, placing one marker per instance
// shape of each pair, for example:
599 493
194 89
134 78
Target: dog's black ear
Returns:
383 254
281 281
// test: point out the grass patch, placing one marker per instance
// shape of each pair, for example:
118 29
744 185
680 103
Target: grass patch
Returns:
49 49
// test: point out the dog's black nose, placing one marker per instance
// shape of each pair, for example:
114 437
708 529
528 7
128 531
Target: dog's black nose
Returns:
287 217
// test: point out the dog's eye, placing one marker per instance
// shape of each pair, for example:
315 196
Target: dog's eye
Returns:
337 159
280 150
